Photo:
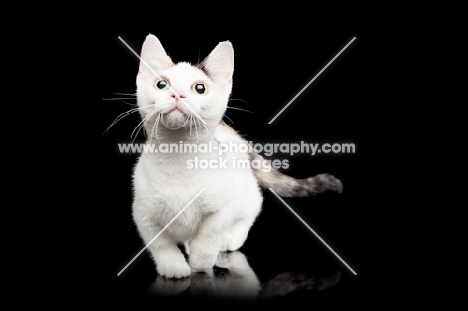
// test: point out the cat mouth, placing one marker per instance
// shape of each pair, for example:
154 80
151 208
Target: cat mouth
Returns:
175 118
175 110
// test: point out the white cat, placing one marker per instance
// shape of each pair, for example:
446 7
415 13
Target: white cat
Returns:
185 103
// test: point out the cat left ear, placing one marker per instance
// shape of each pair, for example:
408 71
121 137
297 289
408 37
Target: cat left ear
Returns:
220 63
153 56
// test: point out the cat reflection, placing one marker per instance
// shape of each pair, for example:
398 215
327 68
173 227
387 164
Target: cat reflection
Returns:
233 277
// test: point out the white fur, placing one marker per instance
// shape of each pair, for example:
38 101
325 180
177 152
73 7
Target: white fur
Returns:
241 281
220 218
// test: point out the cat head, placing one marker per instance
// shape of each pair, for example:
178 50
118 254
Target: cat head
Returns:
181 95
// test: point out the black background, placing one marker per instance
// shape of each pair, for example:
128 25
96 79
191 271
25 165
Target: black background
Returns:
275 56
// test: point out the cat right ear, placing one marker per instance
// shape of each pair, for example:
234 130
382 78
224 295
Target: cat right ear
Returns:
153 59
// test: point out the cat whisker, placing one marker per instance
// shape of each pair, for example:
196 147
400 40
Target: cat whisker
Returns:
157 125
154 126
186 120
189 117
140 126
209 133
206 128
224 115
129 94
193 119
235 108
137 129
130 104
238 99
121 98
190 128
196 129
222 122
120 117
123 115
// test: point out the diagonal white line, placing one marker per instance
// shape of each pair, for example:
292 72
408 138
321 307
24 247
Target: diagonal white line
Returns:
308 227
162 230
310 82
157 75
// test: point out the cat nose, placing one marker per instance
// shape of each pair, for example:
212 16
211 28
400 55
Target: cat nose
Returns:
177 96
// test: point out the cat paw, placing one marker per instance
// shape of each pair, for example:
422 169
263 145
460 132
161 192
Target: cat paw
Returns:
231 260
165 286
202 262
174 269
232 243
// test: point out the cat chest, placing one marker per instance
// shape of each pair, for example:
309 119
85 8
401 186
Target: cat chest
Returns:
184 217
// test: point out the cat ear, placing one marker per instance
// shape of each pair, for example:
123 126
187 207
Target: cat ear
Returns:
154 56
220 63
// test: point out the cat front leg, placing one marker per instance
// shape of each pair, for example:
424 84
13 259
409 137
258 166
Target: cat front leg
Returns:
205 246
170 262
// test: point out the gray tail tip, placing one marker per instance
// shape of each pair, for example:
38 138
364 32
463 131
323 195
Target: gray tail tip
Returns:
326 182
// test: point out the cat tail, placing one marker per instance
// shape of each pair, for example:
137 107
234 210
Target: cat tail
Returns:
288 282
287 186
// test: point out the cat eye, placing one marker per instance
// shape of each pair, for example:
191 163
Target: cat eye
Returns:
161 84
199 88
